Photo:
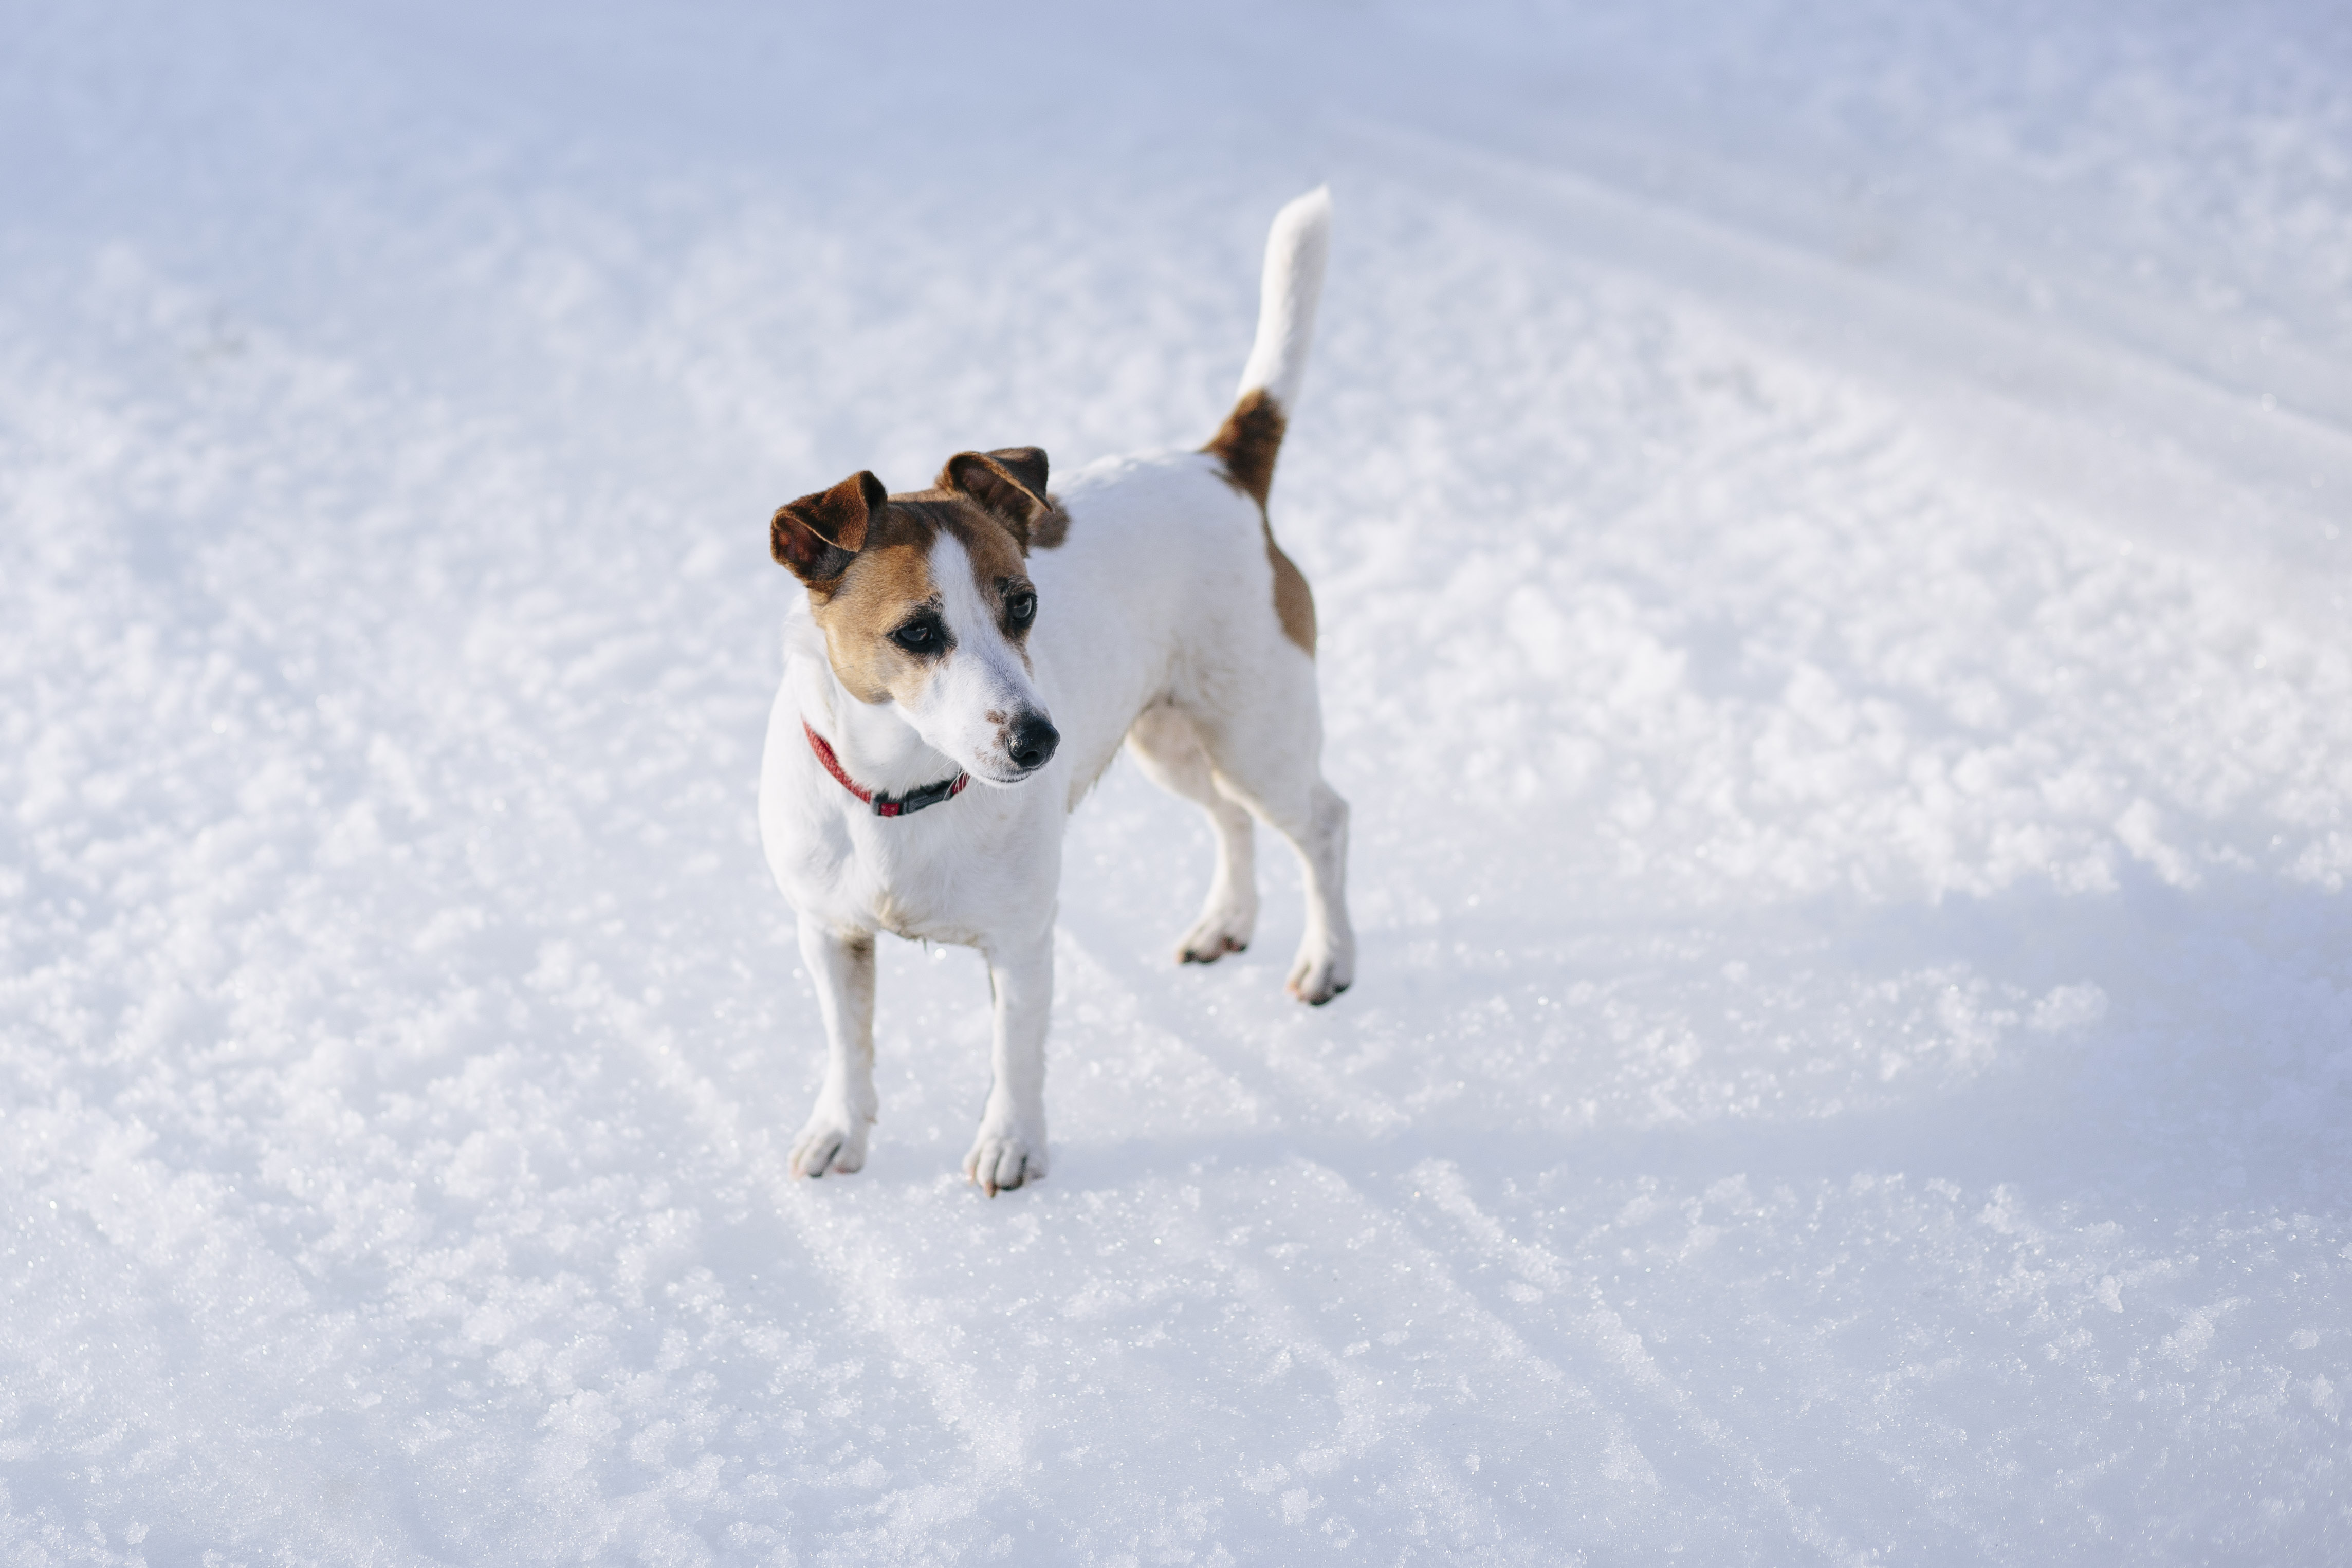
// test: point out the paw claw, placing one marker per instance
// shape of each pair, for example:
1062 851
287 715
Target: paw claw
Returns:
1317 977
826 1147
1217 933
1001 1162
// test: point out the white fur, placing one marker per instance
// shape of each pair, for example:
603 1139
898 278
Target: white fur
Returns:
1156 623
1288 294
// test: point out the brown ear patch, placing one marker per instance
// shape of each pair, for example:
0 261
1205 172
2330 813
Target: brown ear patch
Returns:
1026 463
1049 528
816 537
1014 492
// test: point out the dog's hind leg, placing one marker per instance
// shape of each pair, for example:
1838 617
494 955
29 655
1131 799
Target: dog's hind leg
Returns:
1326 962
1267 756
842 963
1169 749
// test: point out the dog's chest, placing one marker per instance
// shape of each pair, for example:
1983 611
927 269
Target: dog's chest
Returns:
916 922
957 880
918 896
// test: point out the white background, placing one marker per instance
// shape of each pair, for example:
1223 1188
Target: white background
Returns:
1827 525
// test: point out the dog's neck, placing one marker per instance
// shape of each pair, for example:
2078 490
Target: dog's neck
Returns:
874 743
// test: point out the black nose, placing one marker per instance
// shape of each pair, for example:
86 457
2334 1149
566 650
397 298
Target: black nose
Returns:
1034 740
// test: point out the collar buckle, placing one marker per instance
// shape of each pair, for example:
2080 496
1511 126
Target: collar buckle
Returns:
906 805
915 801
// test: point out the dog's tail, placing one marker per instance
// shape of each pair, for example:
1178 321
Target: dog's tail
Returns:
1251 437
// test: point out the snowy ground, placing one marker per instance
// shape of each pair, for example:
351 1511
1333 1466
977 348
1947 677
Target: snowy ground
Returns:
1829 527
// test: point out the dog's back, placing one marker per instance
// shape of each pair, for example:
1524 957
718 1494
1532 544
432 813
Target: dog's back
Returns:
1166 583
1161 591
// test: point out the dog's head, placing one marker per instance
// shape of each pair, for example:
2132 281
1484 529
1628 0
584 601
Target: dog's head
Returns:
925 601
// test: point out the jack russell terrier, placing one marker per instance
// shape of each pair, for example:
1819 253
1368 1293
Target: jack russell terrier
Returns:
990 631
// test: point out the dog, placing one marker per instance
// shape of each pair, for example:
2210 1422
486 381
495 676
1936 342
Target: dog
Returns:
966 661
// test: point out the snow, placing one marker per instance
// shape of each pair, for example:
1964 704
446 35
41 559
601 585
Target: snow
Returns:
1828 528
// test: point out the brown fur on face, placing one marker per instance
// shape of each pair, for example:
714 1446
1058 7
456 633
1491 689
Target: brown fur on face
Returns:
1245 445
888 583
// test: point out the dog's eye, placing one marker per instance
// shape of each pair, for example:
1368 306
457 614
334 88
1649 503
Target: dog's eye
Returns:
924 636
1021 608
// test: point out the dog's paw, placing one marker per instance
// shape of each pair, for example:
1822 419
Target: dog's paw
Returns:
1003 1158
1321 971
1218 931
830 1145
1208 942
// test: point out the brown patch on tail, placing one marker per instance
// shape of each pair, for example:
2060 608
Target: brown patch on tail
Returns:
1248 442
1245 445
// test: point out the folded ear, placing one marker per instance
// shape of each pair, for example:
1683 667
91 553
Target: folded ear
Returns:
1009 484
817 536
1025 464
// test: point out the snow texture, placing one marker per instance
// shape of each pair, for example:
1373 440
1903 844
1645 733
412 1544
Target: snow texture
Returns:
1827 523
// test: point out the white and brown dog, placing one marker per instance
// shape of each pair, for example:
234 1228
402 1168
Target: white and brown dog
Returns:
988 631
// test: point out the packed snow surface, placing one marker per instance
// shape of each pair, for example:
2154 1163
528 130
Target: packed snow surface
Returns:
1827 525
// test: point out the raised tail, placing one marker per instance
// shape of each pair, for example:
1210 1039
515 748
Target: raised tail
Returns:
1251 437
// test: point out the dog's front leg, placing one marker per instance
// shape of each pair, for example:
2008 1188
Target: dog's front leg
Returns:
834 1137
1011 1146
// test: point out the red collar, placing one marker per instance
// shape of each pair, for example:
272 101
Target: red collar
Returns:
913 800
